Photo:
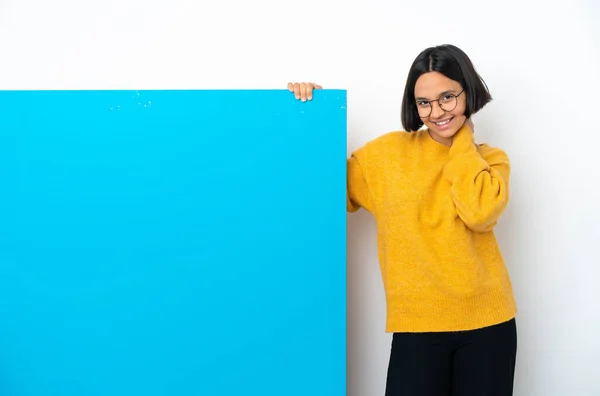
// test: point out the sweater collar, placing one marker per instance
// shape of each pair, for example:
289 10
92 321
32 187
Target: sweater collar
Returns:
431 144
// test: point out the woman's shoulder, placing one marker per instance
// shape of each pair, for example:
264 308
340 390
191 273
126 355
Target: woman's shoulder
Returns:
492 153
388 142
399 136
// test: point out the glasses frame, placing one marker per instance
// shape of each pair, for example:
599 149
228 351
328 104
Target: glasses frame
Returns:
439 104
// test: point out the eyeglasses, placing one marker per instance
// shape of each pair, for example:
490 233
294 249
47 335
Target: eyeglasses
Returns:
447 102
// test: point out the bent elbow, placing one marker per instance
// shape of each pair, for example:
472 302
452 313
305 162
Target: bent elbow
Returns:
482 220
479 225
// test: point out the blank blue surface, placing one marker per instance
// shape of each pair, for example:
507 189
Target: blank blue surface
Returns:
172 243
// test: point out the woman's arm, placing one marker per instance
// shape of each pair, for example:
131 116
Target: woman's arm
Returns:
479 182
357 190
358 194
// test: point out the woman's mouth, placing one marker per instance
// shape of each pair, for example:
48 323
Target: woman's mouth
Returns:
444 124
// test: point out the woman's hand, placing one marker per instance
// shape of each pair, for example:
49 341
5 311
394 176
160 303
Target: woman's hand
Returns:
303 91
469 123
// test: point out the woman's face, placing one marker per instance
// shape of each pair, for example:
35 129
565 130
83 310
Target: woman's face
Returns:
441 103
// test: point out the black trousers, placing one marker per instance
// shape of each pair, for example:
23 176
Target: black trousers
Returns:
467 363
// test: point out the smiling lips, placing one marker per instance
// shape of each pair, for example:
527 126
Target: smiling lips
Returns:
444 123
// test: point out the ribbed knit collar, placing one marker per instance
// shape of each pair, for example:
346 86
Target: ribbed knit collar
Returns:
431 145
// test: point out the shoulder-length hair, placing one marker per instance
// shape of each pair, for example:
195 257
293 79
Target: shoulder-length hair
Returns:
452 62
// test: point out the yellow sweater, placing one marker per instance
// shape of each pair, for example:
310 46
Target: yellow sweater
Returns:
435 208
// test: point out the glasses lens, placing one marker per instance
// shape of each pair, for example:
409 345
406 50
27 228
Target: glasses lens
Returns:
448 102
424 109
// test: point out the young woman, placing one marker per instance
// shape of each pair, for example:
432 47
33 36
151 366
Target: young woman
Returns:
436 196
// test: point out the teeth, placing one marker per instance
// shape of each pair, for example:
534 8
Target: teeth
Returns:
442 122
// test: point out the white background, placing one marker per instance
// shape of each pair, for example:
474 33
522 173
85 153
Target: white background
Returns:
541 62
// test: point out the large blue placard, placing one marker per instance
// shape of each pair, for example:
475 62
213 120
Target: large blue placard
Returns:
172 243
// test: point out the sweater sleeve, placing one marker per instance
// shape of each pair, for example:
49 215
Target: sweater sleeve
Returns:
358 194
479 183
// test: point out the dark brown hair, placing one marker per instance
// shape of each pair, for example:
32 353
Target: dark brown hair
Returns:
453 63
